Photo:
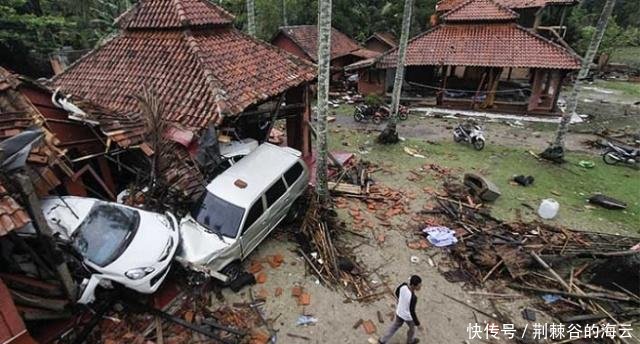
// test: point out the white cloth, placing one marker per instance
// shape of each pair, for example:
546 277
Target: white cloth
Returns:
404 302
440 236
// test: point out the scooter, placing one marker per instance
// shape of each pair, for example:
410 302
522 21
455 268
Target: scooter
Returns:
364 113
616 154
470 133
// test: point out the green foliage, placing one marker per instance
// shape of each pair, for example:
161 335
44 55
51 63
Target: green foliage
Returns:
614 38
357 18
373 100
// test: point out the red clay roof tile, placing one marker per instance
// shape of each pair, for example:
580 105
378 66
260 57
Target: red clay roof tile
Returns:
480 10
488 45
173 14
306 37
447 5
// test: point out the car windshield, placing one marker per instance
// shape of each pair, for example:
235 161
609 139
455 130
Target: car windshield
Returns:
218 215
105 233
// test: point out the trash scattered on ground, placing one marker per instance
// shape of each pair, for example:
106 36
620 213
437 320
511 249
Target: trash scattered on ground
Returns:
481 187
306 320
607 202
413 152
524 180
587 164
548 208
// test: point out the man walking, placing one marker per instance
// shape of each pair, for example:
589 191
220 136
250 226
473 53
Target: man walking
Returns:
405 311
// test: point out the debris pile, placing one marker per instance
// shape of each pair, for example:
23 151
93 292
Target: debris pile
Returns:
330 262
184 322
553 262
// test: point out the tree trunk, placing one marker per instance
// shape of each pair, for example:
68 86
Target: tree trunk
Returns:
324 63
251 17
284 13
557 148
390 133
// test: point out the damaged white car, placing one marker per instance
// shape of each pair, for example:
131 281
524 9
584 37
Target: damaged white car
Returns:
240 208
120 244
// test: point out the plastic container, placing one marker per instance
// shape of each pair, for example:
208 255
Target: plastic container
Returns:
548 208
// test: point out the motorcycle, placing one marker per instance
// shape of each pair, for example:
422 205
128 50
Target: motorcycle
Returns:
616 154
470 134
364 113
403 112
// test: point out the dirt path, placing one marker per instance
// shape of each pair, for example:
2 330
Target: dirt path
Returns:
528 135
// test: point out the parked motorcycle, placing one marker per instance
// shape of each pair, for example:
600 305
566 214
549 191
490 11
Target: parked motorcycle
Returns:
469 133
366 113
376 114
616 154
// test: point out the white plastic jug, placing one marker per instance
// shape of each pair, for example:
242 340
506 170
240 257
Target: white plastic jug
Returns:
548 208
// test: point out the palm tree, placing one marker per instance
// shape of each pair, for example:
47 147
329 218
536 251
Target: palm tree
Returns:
390 133
556 150
324 63
284 13
251 17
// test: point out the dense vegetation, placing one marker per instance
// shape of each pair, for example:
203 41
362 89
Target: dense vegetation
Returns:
30 30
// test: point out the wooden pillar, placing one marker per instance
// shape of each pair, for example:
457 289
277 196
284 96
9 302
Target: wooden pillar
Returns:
298 131
35 210
557 77
536 90
492 87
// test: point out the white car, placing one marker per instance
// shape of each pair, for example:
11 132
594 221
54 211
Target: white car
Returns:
118 243
240 208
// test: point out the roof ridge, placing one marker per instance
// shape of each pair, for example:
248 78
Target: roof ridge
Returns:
214 83
182 15
464 4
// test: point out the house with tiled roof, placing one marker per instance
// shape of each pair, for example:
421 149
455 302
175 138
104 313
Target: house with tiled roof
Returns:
530 12
302 41
478 56
381 42
205 73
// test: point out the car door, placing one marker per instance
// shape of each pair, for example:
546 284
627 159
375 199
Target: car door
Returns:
277 197
253 225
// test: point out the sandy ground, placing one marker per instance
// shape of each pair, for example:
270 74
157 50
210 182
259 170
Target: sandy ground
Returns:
444 321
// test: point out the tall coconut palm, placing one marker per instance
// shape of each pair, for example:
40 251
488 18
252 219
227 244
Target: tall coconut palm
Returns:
324 63
390 133
556 150
284 13
251 17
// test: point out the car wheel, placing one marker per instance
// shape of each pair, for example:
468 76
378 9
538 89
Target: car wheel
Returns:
295 212
403 116
233 271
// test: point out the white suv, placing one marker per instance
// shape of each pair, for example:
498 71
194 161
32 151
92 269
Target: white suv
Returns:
240 208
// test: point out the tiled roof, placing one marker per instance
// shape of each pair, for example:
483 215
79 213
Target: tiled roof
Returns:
188 69
17 113
447 5
174 13
306 37
480 10
488 45
12 215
